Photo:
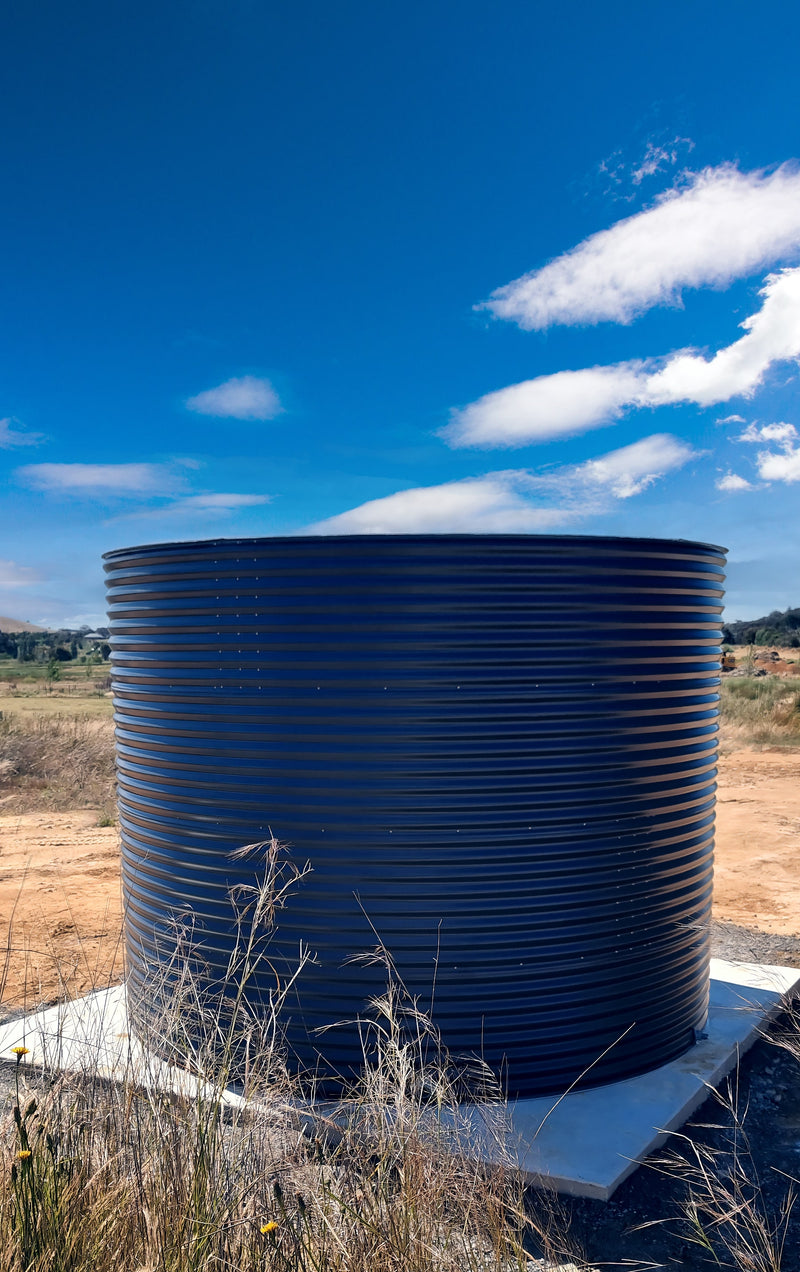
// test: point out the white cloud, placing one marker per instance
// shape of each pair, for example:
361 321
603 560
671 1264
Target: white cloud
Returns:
731 419
574 401
717 225
243 398
768 433
733 482
493 504
13 575
784 466
771 335
550 406
631 469
517 501
15 437
108 479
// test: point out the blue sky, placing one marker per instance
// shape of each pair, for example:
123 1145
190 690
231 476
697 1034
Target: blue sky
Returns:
508 267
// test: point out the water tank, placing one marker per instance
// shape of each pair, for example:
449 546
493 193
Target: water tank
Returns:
496 751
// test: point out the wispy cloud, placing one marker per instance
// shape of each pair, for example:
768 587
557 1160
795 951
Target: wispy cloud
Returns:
657 157
13 575
218 502
204 505
711 228
768 433
575 401
631 469
731 419
10 437
244 397
517 501
496 503
128 480
620 178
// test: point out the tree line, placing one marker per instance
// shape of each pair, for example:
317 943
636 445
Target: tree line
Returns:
781 627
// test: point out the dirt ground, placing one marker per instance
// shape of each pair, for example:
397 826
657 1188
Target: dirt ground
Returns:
756 882
60 905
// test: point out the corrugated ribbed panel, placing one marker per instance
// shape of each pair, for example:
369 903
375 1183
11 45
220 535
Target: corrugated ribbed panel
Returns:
498 752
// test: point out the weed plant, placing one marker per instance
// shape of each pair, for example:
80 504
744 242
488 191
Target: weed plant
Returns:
725 1214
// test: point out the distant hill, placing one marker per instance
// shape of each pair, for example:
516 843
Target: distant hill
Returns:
781 627
16 625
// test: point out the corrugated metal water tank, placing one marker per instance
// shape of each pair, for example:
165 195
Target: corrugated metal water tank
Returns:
497 752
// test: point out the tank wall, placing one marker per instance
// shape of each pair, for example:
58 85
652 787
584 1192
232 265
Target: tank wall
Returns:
497 752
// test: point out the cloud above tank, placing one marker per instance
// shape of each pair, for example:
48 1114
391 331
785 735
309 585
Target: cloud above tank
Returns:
571 402
709 229
516 501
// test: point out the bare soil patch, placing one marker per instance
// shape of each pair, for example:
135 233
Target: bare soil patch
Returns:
60 905
757 883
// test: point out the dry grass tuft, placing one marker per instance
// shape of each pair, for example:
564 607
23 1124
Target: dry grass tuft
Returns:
760 711
99 1176
725 1213
57 762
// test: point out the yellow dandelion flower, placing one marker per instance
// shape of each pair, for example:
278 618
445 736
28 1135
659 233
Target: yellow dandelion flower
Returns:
23 1154
20 1051
268 1227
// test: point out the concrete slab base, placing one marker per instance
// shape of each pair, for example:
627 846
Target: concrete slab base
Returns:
588 1142
584 1144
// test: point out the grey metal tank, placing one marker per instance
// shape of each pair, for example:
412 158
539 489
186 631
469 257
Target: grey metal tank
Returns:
497 752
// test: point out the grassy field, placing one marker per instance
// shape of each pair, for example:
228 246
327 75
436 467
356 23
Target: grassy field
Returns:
82 689
93 705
